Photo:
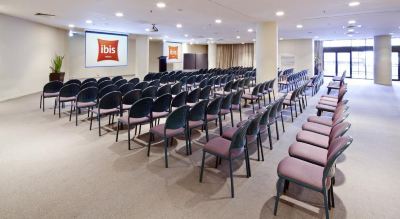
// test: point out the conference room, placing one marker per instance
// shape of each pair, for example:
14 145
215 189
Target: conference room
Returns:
199 109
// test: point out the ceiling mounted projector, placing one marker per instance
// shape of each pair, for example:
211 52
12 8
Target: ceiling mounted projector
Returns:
154 28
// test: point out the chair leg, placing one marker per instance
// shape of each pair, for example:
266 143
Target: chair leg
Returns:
76 116
261 147
283 124
291 112
279 188
231 176
91 120
206 128
99 118
59 109
116 137
240 112
332 197
70 112
325 193
277 131
220 125
202 166
247 157
269 137
129 137
295 108
166 151
232 117
55 106
40 106
273 93
258 150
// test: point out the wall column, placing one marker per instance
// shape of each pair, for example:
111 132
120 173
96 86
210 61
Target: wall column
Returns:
142 56
212 55
267 51
383 60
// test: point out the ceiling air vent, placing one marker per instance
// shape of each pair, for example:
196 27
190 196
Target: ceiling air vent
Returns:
44 14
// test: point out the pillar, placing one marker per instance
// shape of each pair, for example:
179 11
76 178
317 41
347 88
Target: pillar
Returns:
267 51
212 55
383 60
142 56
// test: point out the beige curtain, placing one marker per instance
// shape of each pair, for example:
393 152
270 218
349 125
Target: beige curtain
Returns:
231 55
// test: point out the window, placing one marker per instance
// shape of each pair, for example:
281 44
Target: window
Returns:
330 63
395 41
343 62
395 65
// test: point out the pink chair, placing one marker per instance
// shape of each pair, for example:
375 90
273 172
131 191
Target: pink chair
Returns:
311 176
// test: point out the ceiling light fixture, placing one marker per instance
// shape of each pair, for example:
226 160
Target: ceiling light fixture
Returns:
316 37
354 4
71 25
150 38
254 40
147 29
281 38
280 13
186 35
242 43
299 26
352 22
178 25
218 21
237 37
250 30
119 14
161 5
89 21
70 33
350 35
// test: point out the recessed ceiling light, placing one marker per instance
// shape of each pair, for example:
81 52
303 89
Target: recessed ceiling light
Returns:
119 14
254 40
161 5
350 30
391 33
352 22
70 33
237 37
150 38
359 26
218 21
280 13
186 35
178 25
350 35
316 37
191 43
281 38
299 26
89 21
71 25
165 36
353 4
250 30
147 29
210 38
242 43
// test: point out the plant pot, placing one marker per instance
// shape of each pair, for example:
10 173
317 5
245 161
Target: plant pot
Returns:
57 76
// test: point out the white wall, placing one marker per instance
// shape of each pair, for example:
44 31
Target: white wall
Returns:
77 68
26 49
155 51
302 51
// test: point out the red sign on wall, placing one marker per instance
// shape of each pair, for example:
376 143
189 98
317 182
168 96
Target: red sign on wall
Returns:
108 50
172 52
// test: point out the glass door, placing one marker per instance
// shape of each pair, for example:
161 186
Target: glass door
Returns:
330 63
395 65
343 63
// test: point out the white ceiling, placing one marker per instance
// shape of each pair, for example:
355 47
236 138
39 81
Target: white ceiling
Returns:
322 18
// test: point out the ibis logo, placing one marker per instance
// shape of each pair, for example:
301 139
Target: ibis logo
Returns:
108 50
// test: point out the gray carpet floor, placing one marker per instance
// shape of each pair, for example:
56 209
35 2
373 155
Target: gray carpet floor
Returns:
51 169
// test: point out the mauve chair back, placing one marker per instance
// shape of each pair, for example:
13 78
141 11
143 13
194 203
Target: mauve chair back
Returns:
336 148
339 130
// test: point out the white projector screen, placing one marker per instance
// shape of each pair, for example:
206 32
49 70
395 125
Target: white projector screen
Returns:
106 49
173 52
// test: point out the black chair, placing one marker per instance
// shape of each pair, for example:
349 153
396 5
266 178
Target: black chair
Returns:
67 94
213 113
236 102
104 84
205 93
89 80
176 89
197 118
253 97
103 79
121 82
125 88
141 85
228 150
109 104
161 107
164 79
139 114
264 127
227 90
88 84
149 92
166 89
130 98
148 77
190 82
179 100
193 97
73 81
106 90
134 81
116 78
175 125
50 90
155 83
226 108
204 83
86 98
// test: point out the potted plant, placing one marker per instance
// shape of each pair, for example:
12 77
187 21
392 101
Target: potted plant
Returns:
56 64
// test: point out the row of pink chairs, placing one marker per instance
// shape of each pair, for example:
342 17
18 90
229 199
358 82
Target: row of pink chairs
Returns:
312 158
